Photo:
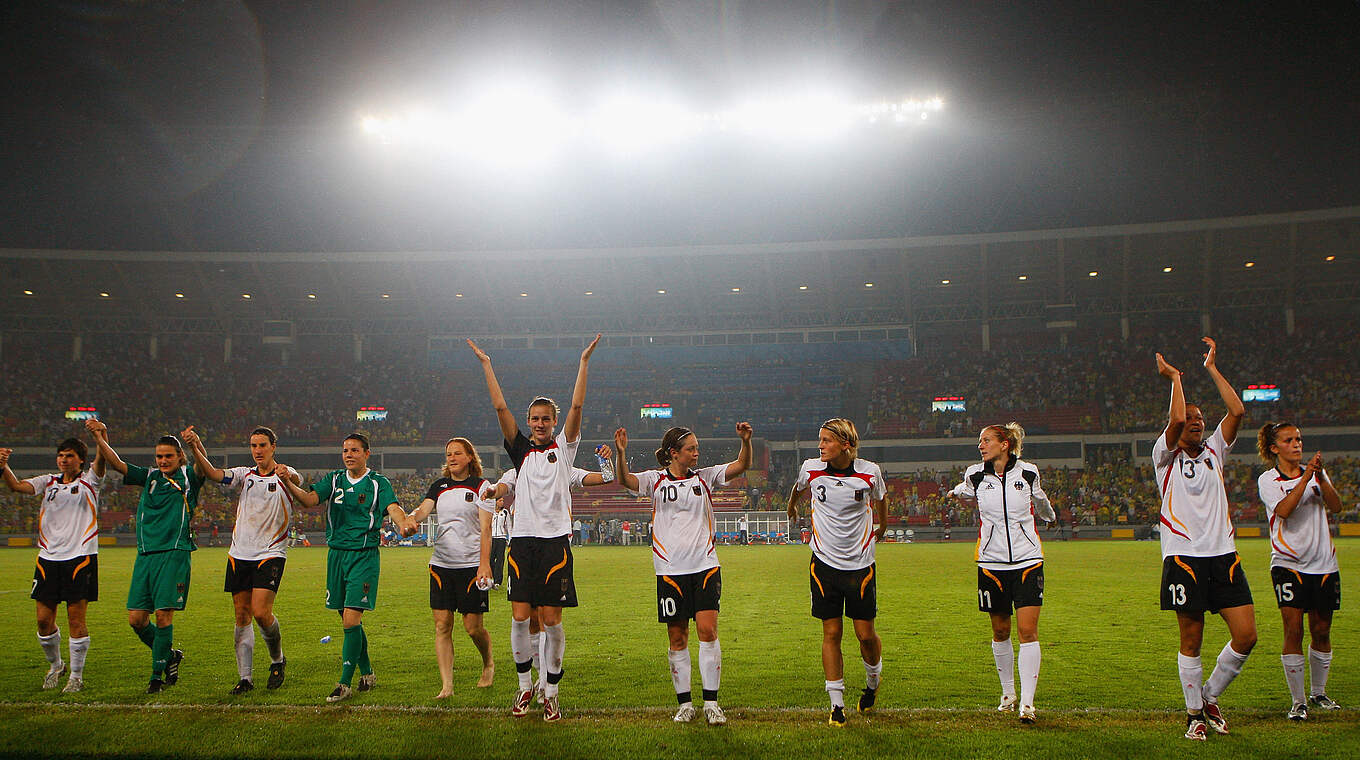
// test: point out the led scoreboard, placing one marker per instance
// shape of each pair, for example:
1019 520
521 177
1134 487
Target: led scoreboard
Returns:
1261 392
372 414
948 404
657 411
82 413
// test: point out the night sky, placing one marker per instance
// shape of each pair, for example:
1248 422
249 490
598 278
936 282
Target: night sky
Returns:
234 126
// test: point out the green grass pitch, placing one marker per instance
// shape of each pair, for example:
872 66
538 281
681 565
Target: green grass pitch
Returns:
1108 685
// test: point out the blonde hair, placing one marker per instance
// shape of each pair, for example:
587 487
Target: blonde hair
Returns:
474 466
844 430
1266 438
1011 433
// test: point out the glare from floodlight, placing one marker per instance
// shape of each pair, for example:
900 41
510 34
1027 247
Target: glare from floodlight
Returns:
28 292
103 294
1092 273
629 124
1166 270
179 295
1250 264
802 287
1330 258
1023 277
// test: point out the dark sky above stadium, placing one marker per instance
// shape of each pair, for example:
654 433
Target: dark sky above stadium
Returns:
228 125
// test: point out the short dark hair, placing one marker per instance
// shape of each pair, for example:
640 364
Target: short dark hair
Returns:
360 437
264 431
76 445
170 440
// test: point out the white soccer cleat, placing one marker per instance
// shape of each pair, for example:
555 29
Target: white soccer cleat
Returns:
1026 713
73 685
340 693
1195 729
1299 711
714 714
1007 703
685 714
521 706
53 678
1214 717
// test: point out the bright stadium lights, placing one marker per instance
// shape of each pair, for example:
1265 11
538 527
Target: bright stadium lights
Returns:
629 125
944 282
736 290
802 287
386 295
1166 270
102 294
457 295
1023 277
868 284
179 295
246 296
590 292
28 292
1093 273
661 292
311 296
1250 264
1330 258
523 295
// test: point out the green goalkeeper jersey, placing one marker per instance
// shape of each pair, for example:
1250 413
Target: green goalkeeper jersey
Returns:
166 506
354 508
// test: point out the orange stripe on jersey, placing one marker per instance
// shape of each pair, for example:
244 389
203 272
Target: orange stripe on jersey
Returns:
280 535
656 542
864 584
1029 570
674 585
995 579
1176 519
80 567
1286 545
42 540
556 567
813 569
1233 567
1186 568
438 582
41 570
710 575
92 529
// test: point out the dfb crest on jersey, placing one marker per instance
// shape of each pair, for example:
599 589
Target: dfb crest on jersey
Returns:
273 487
859 495
1019 486
75 489
698 491
363 497
552 457
468 496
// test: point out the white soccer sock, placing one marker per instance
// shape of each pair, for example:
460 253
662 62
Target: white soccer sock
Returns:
680 673
1004 656
1191 675
536 646
245 649
554 646
519 649
873 674
51 646
1319 664
836 690
79 647
1227 667
710 668
1029 672
1293 675
274 640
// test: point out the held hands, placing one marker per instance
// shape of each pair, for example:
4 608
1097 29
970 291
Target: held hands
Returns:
1212 355
481 355
96 428
408 526
744 431
189 437
4 457
621 439
1166 370
585 355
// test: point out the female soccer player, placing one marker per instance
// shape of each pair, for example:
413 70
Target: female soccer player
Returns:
846 494
259 548
460 570
68 554
1009 558
1201 569
160 575
1303 565
688 577
540 545
356 498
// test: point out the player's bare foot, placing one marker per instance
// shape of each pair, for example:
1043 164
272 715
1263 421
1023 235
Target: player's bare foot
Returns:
488 676
444 693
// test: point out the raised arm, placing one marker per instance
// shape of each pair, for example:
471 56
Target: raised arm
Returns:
626 479
571 428
1236 411
11 480
743 461
101 438
1176 416
509 428
304 496
202 465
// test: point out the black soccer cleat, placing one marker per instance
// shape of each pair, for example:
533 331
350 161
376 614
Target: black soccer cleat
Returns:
242 686
866 699
276 674
156 686
837 717
172 667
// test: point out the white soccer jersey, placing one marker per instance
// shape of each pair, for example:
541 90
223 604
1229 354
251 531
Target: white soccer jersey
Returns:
264 510
1007 539
1195 518
842 518
458 505
68 521
682 518
578 477
1302 541
542 486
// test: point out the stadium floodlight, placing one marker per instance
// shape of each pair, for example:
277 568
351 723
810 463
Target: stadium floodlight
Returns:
179 295
736 290
1250 264
28 292
628 124
311 296
944 282
1166 270
802 287
1023 277
1093 273
102 294
246 296
1330 258
868 284
661 292
590 292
